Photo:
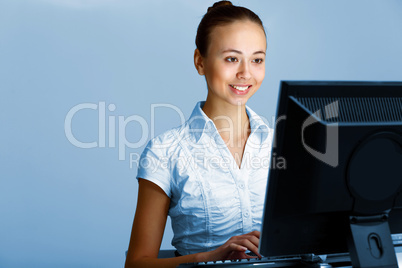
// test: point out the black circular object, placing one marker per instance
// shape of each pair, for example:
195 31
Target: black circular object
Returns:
375 168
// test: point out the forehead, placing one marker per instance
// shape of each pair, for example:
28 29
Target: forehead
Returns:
245 36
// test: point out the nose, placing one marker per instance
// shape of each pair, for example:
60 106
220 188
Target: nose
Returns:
243 72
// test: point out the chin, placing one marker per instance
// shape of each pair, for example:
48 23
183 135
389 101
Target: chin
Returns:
239 102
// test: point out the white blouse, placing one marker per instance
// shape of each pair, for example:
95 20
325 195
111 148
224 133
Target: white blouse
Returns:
212 199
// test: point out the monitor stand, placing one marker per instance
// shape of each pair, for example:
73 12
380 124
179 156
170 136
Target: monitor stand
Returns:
370 243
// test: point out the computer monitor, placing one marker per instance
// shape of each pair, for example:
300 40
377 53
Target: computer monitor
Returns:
335 179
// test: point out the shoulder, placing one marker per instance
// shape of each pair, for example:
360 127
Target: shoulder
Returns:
168 140
171 140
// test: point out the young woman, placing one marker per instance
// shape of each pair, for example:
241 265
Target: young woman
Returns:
209 175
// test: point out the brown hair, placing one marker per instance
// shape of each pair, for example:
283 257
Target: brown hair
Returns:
221 13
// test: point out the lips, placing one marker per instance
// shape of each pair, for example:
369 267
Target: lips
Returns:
240 89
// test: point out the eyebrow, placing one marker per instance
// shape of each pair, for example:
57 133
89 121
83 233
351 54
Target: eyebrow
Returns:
239 52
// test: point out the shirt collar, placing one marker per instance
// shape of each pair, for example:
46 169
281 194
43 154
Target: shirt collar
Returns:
257 125
200 123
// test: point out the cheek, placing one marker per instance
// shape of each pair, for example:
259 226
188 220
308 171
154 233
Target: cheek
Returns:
221 73
260 74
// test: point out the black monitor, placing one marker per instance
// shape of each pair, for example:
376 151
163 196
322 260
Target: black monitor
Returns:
335 180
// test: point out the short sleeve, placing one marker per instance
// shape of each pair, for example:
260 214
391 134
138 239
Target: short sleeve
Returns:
154 166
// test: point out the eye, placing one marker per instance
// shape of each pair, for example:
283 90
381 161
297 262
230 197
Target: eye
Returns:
231 59
258 61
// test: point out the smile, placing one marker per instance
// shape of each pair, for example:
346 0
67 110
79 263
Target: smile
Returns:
240 88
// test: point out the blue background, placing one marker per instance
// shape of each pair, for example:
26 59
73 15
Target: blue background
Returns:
66 206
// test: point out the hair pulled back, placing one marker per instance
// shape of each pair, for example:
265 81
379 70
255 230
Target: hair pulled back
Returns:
221 13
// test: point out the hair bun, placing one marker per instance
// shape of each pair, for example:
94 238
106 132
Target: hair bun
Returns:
219 4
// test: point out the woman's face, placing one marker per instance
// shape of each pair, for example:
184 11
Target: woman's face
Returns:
234 66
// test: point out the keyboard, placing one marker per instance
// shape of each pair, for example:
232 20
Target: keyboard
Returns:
296 261
336 260
397 239
261 262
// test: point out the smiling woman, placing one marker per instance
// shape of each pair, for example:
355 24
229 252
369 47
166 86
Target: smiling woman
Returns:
57 55
215 206
234 61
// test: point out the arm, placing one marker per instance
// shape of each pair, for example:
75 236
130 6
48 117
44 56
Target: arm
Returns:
147 232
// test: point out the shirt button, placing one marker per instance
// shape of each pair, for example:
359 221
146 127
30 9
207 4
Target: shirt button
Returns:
246 214
241 185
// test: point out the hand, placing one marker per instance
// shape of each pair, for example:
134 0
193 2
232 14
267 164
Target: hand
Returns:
236 247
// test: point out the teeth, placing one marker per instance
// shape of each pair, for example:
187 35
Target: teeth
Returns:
240 88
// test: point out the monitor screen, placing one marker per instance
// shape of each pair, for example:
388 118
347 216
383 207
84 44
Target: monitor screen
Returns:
336 165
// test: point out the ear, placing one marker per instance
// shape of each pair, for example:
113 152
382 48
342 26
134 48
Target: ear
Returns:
198 62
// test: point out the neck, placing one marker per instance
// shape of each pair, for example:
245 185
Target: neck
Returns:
231 121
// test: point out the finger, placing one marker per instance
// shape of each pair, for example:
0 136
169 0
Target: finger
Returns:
255 233
251 256
253 239
237 247
257 255
251 246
